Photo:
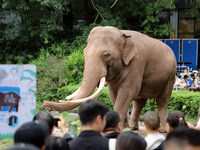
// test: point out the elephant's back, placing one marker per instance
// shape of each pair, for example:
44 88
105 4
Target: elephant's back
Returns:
159 61
152 50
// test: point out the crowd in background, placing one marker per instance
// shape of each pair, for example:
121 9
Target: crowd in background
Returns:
188 80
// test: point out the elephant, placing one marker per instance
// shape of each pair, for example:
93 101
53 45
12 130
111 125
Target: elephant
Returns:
137 67
10 99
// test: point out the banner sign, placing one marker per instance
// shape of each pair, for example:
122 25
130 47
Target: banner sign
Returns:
17 97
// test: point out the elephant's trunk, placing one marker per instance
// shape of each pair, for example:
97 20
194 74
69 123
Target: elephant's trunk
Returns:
90 82
60 106
93 72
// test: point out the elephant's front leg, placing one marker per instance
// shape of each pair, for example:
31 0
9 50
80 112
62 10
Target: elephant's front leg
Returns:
136 111
113 93
122 104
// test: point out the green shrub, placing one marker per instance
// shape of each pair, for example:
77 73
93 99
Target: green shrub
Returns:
59 49
51 75
67 90
105 98
75 66
185 101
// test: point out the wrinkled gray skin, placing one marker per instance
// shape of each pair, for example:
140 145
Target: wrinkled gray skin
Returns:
136 66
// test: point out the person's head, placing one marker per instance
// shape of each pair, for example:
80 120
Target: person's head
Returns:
112 122
151 121
192 76
130 141
186 77
23 146
47 117
175 119
56 143
93 112
185 71
34 132
183 139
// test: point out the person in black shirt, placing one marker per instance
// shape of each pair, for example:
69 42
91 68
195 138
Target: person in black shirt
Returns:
92 114
113 127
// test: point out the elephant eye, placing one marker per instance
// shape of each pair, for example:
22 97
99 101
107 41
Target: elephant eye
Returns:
106 55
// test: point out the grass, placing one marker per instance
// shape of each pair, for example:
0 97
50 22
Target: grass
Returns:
66 116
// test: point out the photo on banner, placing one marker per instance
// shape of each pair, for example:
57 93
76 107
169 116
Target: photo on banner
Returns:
17 97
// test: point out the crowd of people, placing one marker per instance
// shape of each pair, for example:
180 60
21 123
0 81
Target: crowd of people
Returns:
102 130
188 80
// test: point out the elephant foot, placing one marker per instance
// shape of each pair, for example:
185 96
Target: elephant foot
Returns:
134 126
126 125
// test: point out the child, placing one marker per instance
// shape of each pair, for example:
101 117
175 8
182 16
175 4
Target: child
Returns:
188 81
152 125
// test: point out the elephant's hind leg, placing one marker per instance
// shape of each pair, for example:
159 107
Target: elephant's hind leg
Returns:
162 103
135 115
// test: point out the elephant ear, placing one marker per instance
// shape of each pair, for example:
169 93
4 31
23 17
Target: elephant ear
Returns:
129 49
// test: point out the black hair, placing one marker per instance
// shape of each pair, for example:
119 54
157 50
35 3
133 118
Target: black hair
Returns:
130 141
185 76
112 120
90 109
56 143
34 132
176 119
45 116
182 136
192 76
152 120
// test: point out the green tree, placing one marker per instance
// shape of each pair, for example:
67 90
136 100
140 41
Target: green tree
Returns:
193 7
144 16
30 23
153 22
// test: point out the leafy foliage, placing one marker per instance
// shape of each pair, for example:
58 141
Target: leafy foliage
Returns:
51 74
75 66
82 39
185 101
193 7
153 22
26 25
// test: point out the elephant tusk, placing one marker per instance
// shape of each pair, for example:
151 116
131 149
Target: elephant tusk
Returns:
101 86
72 95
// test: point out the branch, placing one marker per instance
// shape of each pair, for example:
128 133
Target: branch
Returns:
96 18
97 10
114 4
